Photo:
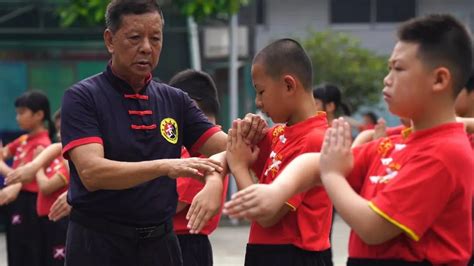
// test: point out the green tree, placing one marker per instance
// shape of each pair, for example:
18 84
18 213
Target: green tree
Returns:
339 59
201 9
91 12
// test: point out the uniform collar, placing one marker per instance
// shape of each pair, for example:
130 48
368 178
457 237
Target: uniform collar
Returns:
435 131
121 85
38 135
317 121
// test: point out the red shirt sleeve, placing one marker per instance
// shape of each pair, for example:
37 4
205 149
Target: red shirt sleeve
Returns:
63 171
187 189
414 199
13 146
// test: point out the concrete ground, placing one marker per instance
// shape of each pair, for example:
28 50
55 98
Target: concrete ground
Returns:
228 243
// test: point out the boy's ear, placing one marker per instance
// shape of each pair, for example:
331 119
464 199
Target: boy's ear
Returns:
290 82
442 79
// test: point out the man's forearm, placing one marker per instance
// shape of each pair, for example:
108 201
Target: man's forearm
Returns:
107 174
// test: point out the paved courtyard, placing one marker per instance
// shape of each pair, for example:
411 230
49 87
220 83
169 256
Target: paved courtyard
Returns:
228 243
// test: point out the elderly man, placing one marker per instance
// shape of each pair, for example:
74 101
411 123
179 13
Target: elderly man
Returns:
123 133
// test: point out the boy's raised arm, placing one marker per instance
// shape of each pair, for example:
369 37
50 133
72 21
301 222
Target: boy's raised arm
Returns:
261 201
336 162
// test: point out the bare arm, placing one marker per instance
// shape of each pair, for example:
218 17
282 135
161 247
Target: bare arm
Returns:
50 185
4 155
336 163
27 172
261 201
363 137
97 172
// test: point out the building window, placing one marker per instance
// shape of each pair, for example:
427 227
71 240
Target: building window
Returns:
260 10
350 11
371 11
395 10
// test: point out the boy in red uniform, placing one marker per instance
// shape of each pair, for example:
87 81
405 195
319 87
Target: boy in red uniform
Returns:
299 233
195 248
401 197
465 108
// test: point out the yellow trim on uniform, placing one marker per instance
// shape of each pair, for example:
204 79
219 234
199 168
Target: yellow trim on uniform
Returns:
406 132
405 229
293 208
63 178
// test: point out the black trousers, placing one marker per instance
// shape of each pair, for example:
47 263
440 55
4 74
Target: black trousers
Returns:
54 241
285 255
372 262
196 250
23 231
94 242
471 262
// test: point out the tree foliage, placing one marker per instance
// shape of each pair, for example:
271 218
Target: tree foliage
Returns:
339 59
201 9
91 12
83 12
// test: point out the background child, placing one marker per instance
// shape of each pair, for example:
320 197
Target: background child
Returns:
196 248
299 233
52 182
23 236
328 98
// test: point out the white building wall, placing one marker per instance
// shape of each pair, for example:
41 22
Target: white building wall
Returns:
293 18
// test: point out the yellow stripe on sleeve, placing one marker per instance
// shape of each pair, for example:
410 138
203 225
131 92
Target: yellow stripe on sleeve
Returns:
63 178
404 228
293 208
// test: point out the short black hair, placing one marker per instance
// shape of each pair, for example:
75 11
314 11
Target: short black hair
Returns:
200 87
443 41
372 116
470 83
329 93
286 56
118 8
36 101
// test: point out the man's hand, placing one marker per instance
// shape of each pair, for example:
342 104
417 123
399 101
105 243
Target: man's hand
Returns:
254 202
205 205
60 208
240 155
23 174
192 167
336 154
9 194
254 128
